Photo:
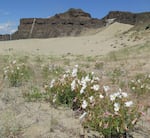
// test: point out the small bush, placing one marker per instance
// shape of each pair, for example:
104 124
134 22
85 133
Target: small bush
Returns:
140 84
64 89
49 71
107 113
17 73
112 114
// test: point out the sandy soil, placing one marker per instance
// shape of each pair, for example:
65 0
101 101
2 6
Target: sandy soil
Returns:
102 42
39 119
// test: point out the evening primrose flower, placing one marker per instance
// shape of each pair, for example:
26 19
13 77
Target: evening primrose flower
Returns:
87 79
101 96
73 85
116 107
54 99
84 104
83 88
129 103
83 115
75 70
112 97
95 87
106 88
52 83
91 98
14 62
96 78
124 94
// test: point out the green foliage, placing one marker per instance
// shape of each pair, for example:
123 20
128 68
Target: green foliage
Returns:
51 71
140 84
34 94
111 117
116 75
16 74
107 113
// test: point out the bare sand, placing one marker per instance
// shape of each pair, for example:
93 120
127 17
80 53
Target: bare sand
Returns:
102 42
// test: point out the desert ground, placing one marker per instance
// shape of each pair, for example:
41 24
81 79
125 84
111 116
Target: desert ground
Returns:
115 47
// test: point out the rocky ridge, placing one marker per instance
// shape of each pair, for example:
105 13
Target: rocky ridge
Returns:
71 23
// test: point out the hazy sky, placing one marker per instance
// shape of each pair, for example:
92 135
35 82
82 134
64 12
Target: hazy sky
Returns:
12 10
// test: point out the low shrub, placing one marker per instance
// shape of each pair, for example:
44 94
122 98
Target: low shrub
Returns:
16 73
140 84
111 114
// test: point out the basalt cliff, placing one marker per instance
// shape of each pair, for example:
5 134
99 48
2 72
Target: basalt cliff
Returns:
71 23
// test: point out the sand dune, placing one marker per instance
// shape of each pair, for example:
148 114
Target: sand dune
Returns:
97 44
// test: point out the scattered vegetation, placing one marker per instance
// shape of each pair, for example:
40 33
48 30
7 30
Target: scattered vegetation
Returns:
16 73
103 99
140 85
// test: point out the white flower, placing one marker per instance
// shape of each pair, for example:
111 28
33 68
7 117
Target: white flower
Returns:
52 83
124 94
116 107
118 94
101 96
83 115
91 98
84 104
76 66
74 71
96 78
133 88
84 85
82 89
73 85
14 62
18 68
142 86
54 98
5 71
92 73
128 104
95 87
115 95
139 81
106 88
132 81
83 82
112 97
87 79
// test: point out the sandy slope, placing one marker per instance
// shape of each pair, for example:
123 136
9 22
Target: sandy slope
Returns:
97 44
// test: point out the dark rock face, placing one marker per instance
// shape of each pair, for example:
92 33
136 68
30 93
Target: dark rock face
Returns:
5 37
128 17
70 23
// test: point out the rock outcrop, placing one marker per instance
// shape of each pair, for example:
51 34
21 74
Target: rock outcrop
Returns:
128 17
5 37
72 23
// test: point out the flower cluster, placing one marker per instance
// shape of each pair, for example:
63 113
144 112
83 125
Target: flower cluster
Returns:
140 84
72 87
111 113
101 110
16 73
